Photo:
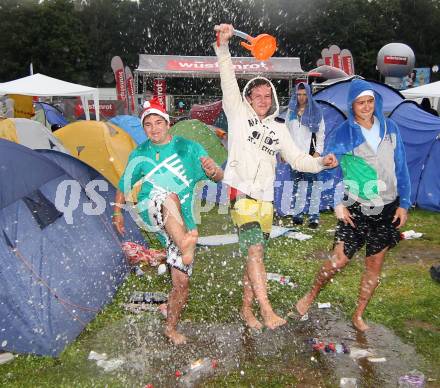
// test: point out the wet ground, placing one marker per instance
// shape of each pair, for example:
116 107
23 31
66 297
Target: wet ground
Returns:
150 358
404 254
419 255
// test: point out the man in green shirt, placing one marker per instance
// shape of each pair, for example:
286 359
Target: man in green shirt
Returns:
163 172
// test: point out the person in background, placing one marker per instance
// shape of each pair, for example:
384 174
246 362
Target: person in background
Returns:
306 126
426 106
372 158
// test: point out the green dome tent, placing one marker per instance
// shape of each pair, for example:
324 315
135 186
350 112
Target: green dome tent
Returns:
197 131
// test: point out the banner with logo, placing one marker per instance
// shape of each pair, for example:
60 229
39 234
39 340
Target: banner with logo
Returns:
74 110
118 71
335 53
160 90
340 59
347 61
326 57
129 81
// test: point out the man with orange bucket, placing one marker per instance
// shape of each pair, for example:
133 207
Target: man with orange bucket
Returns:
254 139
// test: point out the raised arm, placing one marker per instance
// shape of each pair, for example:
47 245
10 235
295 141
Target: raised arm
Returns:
231 92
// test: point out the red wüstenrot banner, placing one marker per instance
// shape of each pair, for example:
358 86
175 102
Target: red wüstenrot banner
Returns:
395 60
118 70
160 90
335 53
326 56
130 90
337 58
107 108
211 65
347 61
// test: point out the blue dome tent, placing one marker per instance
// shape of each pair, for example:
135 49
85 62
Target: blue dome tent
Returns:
131 125
52 115
336 94
56 273
420 132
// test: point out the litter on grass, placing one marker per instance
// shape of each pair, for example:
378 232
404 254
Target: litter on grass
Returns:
281 279
102 362
97 356
299 236
411 235
348 382
356 353
6 357
148 297
377 359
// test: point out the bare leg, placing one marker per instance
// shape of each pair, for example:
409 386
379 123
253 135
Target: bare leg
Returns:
176 301
246 309
327 271
369 282
175 227
257 275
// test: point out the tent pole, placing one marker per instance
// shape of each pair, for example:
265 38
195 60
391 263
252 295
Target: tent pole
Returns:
85 104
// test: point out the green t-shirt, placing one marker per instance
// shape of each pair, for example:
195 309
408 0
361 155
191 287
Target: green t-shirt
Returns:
174 167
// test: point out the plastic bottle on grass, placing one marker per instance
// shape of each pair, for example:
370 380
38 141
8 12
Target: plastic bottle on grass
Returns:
284 280
197 369
348 382
413 379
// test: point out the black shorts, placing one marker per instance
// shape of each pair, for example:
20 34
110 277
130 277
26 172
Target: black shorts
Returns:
377 232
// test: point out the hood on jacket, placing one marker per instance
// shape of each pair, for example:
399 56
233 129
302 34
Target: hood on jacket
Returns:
358 86
274 109
312 114
349 134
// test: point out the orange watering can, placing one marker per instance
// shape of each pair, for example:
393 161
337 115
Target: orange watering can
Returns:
262 47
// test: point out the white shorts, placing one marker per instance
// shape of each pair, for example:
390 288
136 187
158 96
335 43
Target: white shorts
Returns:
174 256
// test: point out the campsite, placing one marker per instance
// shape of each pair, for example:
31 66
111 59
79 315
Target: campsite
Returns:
242 193
405 295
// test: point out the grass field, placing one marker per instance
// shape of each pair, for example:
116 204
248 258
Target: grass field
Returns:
407 301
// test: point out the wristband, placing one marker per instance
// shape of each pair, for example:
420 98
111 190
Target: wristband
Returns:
116 214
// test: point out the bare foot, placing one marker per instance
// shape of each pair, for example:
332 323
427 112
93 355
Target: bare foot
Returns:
303 305
272 321
188 246
359 324
175 337
250 320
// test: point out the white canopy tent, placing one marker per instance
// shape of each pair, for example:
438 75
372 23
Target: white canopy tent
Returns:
41 85
432 91
428 90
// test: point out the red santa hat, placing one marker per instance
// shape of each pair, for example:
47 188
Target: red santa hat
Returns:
154 107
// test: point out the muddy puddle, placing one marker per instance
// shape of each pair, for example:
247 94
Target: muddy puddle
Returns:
150 359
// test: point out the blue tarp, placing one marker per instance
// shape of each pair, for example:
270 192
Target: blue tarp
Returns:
52 114
420 132
336 94
131 125
54 277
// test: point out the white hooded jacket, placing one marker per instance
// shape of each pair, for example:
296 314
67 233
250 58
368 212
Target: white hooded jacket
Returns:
254 143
